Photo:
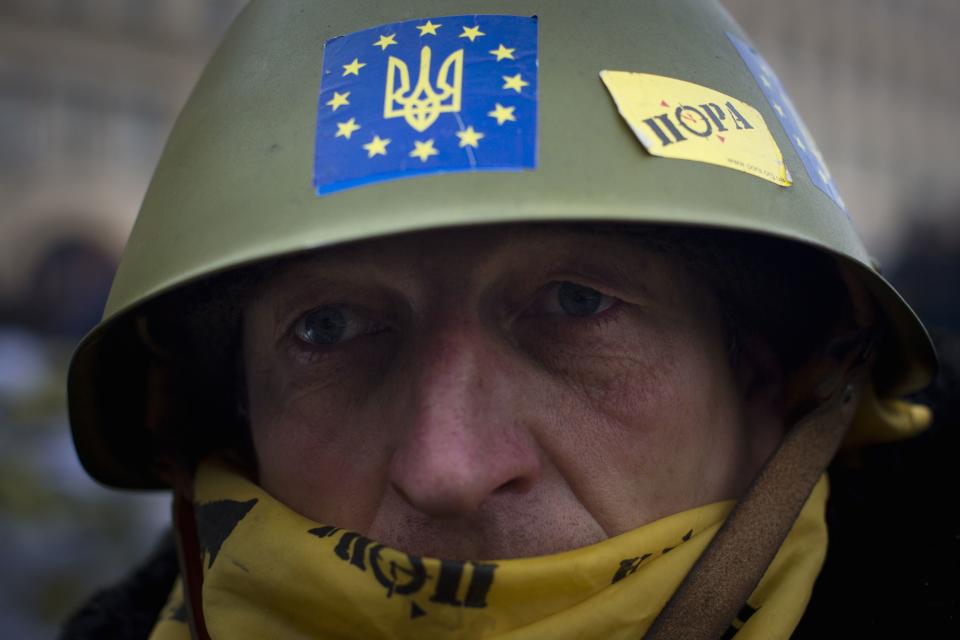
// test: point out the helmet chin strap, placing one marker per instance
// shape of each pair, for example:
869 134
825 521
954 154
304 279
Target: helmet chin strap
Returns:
730 568
190 557
178 473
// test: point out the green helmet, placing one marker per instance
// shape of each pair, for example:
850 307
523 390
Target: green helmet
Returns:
246 174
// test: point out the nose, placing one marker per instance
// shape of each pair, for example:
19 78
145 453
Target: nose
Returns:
462 440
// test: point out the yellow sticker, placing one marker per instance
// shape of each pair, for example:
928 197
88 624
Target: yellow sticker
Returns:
678 119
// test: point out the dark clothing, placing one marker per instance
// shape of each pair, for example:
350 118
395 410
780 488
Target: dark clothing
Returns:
893 561
128 610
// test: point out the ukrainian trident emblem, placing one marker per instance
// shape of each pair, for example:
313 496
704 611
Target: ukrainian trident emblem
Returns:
422 105
470 105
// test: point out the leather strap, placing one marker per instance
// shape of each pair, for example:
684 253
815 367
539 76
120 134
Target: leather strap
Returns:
728 571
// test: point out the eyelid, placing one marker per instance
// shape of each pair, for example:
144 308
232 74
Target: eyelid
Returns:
600 284
300 298
545 294
290 329
360 322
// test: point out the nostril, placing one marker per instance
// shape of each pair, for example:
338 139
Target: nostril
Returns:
400 492
516 485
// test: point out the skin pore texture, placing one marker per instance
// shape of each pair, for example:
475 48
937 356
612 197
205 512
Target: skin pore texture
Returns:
458 404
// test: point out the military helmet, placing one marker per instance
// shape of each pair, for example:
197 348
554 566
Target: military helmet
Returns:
320 122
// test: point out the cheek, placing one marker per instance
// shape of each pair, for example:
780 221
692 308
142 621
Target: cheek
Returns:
622 373
318 448
623 400
642 428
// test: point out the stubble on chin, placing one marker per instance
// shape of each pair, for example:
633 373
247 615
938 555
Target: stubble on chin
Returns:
495 535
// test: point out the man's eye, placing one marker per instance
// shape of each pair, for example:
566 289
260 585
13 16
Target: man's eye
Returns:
568 298
332 325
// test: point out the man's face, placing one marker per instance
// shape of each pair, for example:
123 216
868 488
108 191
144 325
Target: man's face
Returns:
497 392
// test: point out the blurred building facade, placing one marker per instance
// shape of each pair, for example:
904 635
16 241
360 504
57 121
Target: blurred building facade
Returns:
878 86
88 92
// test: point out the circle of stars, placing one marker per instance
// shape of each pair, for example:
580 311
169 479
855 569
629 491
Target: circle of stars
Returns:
424 150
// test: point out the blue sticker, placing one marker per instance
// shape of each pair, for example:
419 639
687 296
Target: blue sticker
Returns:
787 114
454 93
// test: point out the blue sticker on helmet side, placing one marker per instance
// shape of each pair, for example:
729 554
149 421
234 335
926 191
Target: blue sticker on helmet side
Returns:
787 114
452 93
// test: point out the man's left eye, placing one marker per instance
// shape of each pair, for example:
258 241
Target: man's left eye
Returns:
571 299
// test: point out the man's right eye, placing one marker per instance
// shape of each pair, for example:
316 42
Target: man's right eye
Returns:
575 300
332 325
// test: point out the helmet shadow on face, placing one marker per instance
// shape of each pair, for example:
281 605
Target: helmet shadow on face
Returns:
780 295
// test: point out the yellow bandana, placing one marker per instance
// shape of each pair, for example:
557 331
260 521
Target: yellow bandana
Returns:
271 573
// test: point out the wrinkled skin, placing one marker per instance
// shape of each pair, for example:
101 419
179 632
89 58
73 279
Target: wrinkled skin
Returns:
456 408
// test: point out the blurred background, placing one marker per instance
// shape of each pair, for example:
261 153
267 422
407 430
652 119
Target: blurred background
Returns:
89 90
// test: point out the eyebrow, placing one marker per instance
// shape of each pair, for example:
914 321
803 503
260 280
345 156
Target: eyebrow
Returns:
334 267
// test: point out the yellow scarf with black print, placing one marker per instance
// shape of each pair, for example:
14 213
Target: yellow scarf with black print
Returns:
271 573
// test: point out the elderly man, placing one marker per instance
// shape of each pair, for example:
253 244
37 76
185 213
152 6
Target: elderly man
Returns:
557 342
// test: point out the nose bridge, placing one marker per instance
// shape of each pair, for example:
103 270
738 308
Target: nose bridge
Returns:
459 439
450 368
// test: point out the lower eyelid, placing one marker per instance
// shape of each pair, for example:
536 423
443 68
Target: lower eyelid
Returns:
551 290
559 321
368 327
613 301
308 354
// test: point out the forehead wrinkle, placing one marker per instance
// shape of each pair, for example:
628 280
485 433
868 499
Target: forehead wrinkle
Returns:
450 261
441 259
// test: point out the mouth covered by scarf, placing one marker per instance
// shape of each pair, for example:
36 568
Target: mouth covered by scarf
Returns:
268 572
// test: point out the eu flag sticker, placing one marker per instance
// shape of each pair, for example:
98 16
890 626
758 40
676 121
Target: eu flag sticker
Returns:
800 138
452 93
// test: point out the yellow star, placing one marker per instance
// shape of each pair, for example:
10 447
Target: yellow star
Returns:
502 114
469 137
428 29
502 52
377 146
423 150
471 32
514 82
353 67
386 41
339 100
346 129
